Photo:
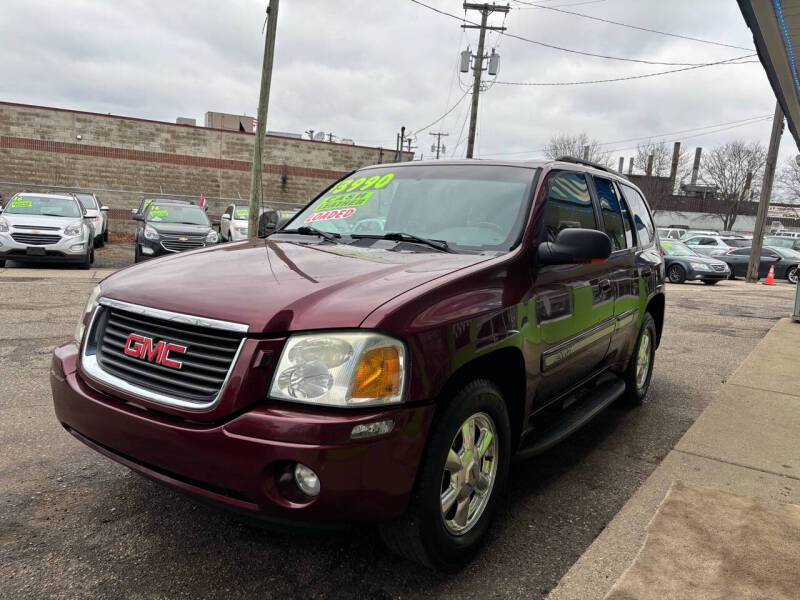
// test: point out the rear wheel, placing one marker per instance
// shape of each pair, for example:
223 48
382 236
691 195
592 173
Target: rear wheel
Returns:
791 275
640 366
462 472
105 235
676 274
711 282
2 263
98 241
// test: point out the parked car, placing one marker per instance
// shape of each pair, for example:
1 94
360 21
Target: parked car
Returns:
147 201
233 223
682 263
779 241
711 245
46 228
97 213
168 226
324 378
695 232
785 261
667 233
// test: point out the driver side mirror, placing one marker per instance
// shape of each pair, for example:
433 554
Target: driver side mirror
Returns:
575 245
138 217
225 217
104 208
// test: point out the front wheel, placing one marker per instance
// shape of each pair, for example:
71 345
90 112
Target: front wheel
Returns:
676 274
711 282
462 472
640 365
792 275
105 236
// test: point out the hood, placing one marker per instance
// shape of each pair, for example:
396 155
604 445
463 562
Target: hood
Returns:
277 286
38 220
179 228
706 260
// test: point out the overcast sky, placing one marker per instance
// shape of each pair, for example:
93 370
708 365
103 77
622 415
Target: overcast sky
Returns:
363 68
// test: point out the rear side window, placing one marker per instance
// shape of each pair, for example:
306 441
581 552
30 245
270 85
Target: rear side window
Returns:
612 213
641 216
568 205
742 252
737 242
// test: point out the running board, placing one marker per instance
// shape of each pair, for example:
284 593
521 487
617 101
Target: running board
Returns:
572 418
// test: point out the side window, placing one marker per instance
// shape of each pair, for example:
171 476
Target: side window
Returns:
741 252
645 229
612 214
708 242
568 205
769 253
229 211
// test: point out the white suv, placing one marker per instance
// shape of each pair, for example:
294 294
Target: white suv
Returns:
712 245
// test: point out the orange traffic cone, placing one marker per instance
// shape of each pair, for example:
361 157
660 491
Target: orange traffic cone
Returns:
770 280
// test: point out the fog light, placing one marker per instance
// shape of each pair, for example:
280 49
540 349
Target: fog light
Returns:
146 250
76 247
306 479
370 429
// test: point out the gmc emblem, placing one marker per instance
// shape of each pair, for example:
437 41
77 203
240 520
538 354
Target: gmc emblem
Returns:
142 347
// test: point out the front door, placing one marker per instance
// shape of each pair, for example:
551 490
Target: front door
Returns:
574 303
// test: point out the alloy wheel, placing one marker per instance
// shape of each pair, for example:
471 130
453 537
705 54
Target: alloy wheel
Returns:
643 359
469 474
792 275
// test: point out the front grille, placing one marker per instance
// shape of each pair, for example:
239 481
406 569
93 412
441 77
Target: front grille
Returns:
37 227
205 365
35 239
718 267
180 246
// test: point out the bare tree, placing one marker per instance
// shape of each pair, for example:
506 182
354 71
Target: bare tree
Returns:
788 182
731 167
573 145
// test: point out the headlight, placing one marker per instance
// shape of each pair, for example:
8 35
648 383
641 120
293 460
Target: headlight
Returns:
3 225
699 266
150 233
73 229
341 369
212 237
91 304
98 219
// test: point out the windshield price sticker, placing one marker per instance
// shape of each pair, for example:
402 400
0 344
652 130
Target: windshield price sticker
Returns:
362 183
343 201
20 202
331 214
157 211
241 213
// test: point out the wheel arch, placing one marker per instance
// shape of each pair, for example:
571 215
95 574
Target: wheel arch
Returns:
505 368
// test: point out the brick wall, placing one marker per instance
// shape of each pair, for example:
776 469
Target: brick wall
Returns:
123 159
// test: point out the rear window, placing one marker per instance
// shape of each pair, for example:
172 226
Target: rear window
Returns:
737 242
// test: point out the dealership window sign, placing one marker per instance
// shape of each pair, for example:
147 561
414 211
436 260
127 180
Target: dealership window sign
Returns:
784 212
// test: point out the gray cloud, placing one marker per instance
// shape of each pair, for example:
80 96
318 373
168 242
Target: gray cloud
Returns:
362 68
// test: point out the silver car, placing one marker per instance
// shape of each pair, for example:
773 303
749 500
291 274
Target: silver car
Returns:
46 227
714 245
98 214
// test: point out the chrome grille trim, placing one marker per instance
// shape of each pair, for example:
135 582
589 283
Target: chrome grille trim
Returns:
35 239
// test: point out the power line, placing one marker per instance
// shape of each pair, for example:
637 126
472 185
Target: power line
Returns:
570 50
738 123
730 61
451 109
629 26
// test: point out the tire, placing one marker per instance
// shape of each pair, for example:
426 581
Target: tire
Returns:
427 533
2 263
791 275
636 385
711 281
98 241
92 256
86 263
105 236
137 257
676 274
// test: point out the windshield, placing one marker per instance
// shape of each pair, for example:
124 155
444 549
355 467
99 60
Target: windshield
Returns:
476 207
173 213
241 213
676 249
43 205
737 242
88 201
787 252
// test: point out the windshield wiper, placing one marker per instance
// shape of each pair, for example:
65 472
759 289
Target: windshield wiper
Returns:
306 230
50 215
439 245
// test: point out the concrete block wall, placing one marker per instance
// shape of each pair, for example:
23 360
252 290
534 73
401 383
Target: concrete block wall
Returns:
123 159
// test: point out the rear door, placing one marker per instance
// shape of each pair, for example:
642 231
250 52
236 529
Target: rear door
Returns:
574 303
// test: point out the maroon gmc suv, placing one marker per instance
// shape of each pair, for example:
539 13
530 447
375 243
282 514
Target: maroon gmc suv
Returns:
384 355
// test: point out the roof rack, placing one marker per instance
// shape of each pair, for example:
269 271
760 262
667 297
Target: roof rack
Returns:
588 163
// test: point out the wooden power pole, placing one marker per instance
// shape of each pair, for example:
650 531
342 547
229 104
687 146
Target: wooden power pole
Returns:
766 192
256 191
439 146
477 69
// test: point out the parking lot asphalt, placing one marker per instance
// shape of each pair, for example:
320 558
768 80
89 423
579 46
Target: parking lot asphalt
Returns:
75 524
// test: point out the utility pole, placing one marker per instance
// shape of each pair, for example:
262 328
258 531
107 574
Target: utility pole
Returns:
477 67
766 192
439 146
398 149
256 191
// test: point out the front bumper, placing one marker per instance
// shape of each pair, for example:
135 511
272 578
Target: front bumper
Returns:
693 274
153 248
66 249
240 463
